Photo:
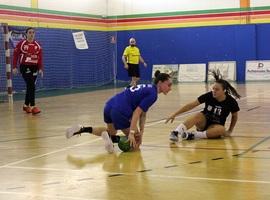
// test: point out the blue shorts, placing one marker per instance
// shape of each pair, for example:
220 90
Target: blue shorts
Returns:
113 116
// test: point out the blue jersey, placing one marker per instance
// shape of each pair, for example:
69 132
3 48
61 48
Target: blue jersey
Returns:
143 96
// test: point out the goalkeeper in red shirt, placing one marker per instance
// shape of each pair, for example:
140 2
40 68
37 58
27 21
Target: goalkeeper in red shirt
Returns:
28 53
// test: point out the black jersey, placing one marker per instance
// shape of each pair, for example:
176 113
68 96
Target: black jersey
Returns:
217 111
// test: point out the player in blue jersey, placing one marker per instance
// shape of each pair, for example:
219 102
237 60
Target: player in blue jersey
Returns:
125 111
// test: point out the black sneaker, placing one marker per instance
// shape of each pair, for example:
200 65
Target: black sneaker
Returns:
174 136
188 136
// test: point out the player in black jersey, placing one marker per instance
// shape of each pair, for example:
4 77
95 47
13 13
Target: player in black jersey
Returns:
210 122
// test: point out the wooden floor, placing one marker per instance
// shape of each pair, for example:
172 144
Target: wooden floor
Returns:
37 162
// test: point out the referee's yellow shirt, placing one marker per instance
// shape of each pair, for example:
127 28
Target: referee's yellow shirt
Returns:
132 54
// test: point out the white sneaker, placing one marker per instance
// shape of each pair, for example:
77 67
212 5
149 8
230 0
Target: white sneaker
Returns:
108 142
174 136
73 130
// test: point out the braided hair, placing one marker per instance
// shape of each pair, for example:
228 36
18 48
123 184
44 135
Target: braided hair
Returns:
230 90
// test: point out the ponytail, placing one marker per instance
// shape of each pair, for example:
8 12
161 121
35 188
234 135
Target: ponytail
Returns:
229 89
161 77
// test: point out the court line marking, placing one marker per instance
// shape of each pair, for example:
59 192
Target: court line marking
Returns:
85 179
256 107
47 196
15 188
144 170
31 138
238 122
195 148
45 169
52 183
115 175
66 148
253 146
195 162
49 153
220 158
171 166
169 177
257 157
178 177
209 179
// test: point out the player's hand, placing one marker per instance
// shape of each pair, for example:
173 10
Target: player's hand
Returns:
15 71
132 141
41 73
228 133
138 138
171 119
145 64
126 66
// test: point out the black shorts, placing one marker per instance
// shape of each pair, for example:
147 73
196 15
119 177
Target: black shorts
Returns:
209 122
29 69
133 70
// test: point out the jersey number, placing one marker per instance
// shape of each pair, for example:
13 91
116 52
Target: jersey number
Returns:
137 87
217 111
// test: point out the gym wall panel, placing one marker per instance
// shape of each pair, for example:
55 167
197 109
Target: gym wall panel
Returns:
258 3
263 41
22 3
191 45
94 7
124 7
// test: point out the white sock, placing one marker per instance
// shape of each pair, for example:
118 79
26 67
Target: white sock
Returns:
181 129
200 134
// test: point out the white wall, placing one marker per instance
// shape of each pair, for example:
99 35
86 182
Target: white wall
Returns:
94 7
21 3
258 3
126 7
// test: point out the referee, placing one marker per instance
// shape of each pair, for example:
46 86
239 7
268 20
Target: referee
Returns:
131 58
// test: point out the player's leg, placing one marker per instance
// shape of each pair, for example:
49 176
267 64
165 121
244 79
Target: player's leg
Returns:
214 131
133 81
205 129
136 73
78 129
26 78
130 74
104 132
198 120
32 92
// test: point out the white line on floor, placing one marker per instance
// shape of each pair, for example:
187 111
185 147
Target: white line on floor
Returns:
31 195
92 141
49 153
152 175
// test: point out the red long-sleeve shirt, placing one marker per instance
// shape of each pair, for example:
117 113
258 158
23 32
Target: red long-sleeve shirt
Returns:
28 53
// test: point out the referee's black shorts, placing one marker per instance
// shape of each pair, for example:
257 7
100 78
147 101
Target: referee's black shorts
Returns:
133 70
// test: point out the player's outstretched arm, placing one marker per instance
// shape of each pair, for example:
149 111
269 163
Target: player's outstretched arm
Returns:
183 109
133 126
232 125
